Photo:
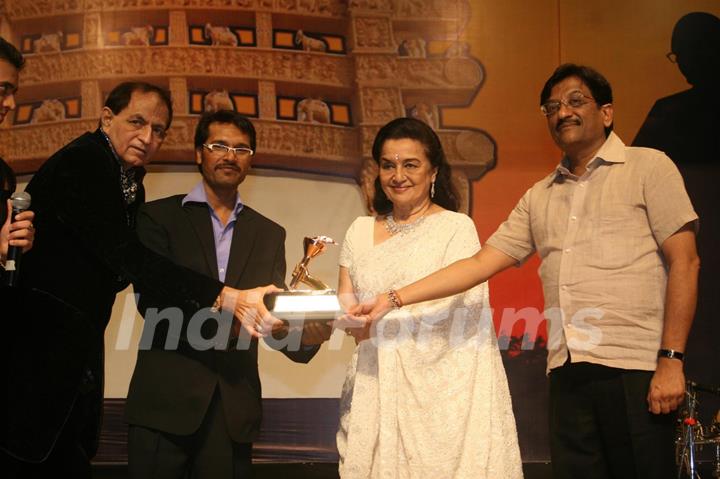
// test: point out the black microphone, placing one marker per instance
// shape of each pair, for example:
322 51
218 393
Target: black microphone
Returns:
20 202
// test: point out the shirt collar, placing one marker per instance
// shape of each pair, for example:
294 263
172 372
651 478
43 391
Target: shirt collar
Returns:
612 151
198 195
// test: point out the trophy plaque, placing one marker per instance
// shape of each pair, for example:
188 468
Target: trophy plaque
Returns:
319 302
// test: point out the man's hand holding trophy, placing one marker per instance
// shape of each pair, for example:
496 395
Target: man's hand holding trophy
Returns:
310 309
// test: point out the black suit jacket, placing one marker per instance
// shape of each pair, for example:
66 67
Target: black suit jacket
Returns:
86 251
171 388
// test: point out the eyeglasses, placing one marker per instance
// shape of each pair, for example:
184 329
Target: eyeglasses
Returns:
218 149
575 100
7 89
138 123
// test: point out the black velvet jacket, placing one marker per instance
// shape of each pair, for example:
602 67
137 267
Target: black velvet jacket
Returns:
84 253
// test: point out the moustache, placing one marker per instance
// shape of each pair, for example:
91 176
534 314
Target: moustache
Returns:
230 166
567 121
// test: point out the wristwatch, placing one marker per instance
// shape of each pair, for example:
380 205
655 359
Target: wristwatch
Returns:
670 354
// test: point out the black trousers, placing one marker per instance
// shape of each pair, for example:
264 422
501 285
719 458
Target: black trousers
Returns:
209 453
600 426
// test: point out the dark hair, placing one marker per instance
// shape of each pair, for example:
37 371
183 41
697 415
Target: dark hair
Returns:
119 97
223 116
596 83
10 54
410 128
7 178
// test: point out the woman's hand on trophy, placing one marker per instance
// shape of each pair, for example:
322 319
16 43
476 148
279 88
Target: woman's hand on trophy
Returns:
373 309
356 326
249 310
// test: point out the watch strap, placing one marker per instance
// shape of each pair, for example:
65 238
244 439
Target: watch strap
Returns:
670 354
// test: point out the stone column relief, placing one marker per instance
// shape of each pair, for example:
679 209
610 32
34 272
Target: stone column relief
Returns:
92 100
267 99
178 28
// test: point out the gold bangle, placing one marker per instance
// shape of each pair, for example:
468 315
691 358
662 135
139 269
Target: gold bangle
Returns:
394 298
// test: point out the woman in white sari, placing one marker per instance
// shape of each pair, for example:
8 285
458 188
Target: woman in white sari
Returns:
426 394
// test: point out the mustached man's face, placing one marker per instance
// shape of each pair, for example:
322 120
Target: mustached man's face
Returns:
137 131
578 128
224 170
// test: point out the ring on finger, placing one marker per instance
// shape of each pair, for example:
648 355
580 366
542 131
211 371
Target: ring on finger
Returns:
258 327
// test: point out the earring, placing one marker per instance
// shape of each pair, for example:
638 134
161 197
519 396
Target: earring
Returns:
432 189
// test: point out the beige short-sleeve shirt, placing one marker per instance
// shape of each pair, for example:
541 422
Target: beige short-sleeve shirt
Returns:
599 237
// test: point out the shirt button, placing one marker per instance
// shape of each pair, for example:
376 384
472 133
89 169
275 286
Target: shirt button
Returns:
573 218
563 287
222 270
582 185
567 250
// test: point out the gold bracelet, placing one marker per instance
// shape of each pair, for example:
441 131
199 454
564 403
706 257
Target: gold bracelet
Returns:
394 298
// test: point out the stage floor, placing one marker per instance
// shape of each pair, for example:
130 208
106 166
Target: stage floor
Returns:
306 471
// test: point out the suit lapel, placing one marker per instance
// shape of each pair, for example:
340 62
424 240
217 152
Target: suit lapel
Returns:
242 245
199 218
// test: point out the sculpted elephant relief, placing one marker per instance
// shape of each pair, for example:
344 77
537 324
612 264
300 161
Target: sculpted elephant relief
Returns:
220 36
309 44
49 110
313 110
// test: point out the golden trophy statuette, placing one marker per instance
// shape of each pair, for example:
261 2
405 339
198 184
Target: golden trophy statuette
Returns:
319 302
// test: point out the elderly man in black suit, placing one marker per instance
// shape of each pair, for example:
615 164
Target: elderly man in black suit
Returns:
195 413
86 197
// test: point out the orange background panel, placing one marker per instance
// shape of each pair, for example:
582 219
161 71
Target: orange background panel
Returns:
247 105
335 44
160 35
196 102
23 113
247 37
113 37
286 108
196 35
341 114
284 39
72 107
72 40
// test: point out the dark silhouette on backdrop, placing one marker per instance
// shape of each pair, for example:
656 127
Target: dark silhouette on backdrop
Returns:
686 126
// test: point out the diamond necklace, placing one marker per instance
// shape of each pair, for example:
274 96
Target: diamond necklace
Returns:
394 228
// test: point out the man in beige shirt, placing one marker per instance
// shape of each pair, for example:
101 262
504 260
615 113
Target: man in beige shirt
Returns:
615 231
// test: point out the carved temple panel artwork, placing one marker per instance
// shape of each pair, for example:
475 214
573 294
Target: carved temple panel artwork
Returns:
319 77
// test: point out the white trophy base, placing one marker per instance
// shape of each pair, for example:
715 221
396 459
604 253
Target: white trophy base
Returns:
307 305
